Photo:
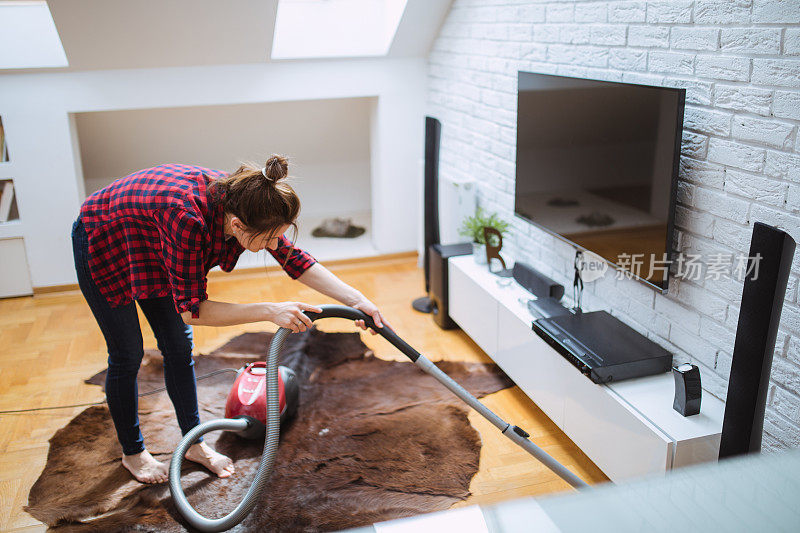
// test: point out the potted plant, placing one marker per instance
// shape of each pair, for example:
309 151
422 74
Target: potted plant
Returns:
472 227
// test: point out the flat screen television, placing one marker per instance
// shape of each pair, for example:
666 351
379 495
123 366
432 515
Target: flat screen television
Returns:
597 166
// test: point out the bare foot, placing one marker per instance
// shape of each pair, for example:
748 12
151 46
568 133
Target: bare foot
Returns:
145 468
202 453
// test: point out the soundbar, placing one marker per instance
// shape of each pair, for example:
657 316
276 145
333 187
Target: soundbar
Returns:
536 283
603 348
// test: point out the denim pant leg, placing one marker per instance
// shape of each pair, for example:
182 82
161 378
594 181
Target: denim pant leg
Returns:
123 335
174 339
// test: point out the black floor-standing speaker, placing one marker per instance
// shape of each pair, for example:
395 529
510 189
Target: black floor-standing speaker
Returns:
762 301
433 132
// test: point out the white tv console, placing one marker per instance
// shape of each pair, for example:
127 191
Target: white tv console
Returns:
628 429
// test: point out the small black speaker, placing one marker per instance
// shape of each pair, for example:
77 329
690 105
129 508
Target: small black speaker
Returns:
438 256
688 389
768 266
537 283
433 133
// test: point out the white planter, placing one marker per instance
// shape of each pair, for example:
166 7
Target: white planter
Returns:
479 253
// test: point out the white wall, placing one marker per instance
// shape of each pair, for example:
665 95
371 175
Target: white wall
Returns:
327 142
740 63
36 112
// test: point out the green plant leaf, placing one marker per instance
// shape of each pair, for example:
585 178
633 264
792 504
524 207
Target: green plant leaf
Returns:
472 226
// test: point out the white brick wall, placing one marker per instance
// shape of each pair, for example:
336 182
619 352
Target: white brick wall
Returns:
740 63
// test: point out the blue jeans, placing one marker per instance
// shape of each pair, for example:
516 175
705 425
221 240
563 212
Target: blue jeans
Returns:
123 335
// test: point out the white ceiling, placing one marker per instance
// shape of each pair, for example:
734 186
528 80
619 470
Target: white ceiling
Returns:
111 34
20 20
124 34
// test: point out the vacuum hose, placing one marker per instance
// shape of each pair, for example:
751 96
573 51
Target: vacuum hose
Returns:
228 521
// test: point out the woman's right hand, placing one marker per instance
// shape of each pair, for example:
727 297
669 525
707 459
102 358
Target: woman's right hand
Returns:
290 315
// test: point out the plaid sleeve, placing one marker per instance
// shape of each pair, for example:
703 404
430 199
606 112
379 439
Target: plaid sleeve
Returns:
182 239
293 260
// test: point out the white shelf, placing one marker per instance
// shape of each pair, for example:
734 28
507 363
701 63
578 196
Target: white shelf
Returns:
329 249
628 429
11 230
652 398
323 249
14 275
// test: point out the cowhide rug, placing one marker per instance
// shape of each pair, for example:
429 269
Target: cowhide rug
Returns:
372 440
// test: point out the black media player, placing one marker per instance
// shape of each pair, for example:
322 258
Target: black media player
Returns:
603 348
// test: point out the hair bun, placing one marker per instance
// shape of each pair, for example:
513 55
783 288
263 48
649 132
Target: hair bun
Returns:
276 168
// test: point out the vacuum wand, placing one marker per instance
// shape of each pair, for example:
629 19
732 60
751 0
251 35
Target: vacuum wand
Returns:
516 434
252 496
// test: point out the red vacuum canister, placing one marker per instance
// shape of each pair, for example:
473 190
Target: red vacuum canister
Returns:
248 396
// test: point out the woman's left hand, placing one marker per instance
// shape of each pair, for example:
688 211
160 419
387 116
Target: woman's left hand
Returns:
372 310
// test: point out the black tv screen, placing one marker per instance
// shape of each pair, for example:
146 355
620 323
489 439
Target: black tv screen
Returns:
597 165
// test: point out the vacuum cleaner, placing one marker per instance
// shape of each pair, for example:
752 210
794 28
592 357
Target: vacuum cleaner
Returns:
248 420
248 397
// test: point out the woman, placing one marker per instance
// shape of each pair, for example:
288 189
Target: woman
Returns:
152 237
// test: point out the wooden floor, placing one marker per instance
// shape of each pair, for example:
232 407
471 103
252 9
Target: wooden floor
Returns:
50 343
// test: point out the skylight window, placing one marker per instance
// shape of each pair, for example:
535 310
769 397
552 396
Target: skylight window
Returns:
28 37
335 28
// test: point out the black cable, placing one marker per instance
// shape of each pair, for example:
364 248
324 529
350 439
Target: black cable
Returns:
148 393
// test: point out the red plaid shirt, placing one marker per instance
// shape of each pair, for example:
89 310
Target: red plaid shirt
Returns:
158 232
